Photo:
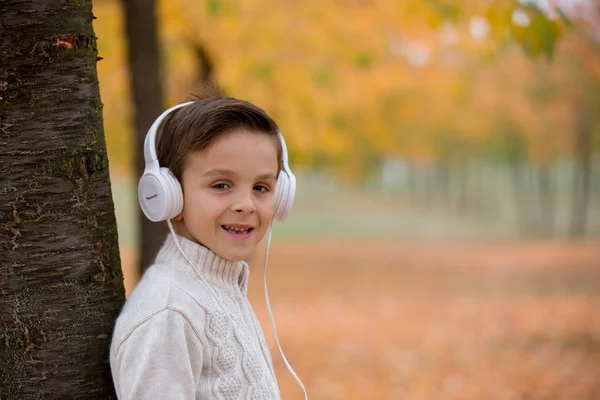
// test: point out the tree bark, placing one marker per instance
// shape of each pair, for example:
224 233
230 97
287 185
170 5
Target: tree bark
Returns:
144 67
61 285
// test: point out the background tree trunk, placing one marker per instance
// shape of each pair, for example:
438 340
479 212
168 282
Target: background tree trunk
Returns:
144 67
581 180
546 201
61 285
206 84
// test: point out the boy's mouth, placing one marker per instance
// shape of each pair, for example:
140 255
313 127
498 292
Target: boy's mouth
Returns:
238 230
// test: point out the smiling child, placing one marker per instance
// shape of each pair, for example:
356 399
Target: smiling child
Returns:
188 331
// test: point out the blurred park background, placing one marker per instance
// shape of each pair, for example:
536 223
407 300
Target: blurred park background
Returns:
445 239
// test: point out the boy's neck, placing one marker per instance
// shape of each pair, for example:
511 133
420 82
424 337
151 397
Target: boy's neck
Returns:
211 267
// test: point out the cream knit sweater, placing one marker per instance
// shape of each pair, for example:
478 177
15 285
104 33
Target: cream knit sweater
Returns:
174 340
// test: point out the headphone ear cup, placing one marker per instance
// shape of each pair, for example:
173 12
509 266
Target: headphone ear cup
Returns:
160 195
173 193
152 196
289 195
279 194
286 189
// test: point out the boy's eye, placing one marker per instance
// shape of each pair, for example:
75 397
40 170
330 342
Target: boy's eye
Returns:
261 188
220 186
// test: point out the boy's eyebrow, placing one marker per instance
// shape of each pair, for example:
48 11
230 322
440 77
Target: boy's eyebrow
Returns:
217 171
226 172
265 177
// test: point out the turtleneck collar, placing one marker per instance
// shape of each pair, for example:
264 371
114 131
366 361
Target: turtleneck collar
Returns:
213 268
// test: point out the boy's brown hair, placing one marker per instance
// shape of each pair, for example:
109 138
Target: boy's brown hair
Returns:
195 127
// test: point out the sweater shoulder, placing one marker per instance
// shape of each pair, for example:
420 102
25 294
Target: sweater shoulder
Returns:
162 288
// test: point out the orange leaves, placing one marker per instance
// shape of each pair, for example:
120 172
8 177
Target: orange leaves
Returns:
367 320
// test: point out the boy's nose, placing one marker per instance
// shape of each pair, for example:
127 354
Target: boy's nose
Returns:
244 203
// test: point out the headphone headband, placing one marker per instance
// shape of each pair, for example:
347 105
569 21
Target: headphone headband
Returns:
284 153
150 142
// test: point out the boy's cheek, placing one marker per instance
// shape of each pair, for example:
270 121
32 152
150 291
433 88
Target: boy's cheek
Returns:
270 210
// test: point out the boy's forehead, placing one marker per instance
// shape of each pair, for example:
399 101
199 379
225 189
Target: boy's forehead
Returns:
237 152
243 140
258 146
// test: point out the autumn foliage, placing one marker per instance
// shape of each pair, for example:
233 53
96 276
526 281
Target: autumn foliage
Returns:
353 83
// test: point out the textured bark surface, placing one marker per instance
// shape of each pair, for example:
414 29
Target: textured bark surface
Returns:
61 284
143 58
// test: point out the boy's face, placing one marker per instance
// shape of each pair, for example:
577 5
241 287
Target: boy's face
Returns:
229 193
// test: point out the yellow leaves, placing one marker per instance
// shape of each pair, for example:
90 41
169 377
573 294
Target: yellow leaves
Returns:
353 81
499 15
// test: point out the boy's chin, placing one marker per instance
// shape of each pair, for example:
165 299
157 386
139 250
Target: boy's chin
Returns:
236 259
234 256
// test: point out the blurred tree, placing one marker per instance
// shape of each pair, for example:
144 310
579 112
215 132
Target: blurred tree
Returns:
206 83
585 62
394 88
61 284
435 84
144 69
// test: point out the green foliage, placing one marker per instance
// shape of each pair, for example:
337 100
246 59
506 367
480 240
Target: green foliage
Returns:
214 7
322 76
506 146
444 10
540 36
363 60
523 22
264 70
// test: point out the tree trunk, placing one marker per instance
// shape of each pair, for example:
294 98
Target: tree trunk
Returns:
582 171
142 40
61 285
546 201
443 183
462 185
521 194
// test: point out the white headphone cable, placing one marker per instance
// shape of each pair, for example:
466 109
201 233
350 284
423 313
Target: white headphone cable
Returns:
205 284
287 364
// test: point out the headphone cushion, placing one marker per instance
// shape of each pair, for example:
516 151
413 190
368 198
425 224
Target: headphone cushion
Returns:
173 193
288 200
284 196
152 196
279 193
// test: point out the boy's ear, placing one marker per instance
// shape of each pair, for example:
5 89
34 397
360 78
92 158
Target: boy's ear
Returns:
178 217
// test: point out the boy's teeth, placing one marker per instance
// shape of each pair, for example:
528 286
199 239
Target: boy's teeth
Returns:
231 228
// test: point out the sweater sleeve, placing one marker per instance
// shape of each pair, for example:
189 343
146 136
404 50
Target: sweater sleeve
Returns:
160 359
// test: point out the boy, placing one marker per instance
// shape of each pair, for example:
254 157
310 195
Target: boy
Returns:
187 331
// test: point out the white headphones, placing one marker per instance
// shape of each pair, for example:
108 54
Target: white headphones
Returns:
160 194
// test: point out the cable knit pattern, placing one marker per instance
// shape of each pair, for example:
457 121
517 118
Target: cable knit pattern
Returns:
178 339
